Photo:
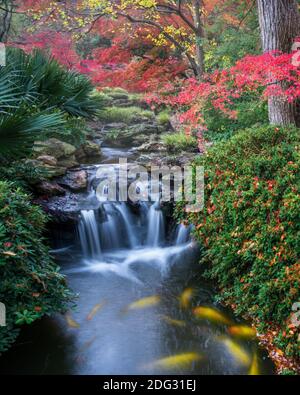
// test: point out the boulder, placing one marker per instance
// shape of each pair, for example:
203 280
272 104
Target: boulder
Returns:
135 134
53 147
54 171
115 126
152 146
88 152
91 149
68 162
76 181
47 160
50 189
50 171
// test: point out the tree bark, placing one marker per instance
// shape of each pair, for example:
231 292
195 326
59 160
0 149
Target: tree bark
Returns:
199 32
279 24
5 19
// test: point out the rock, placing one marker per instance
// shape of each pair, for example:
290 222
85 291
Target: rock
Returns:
88 152
47 160
115 126
152 146
54 171
135 134
119 96
68 162
50 171
91 149
53 147
50 189
80 155
76 181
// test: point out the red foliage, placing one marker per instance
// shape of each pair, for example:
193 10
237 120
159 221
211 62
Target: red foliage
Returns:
273 74
59 45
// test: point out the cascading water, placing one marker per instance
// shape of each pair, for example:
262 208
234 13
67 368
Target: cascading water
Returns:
128 221
156 226
89 234
119 228
182 234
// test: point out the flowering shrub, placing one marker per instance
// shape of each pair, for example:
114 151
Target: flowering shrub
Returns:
30 284
250 226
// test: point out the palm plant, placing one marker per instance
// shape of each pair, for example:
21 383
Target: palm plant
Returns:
36 95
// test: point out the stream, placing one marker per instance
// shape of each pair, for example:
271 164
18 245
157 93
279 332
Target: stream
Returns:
131 270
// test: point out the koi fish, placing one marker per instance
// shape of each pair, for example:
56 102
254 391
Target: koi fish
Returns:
71 323
242 331
176 361
186 297
95 310
240 355
172 321
212 315
144 303
254 368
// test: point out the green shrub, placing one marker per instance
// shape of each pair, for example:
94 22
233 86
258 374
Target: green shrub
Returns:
24 175
111 91
102 98
250 226
250 111
127 115
179 142
163 118
30 284
74 132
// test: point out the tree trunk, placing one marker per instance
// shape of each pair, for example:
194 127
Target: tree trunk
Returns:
279 24
5 19
198 5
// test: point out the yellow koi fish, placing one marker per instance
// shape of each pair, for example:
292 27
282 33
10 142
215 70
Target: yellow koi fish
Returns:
172 321
95 310
240 355
144 303
211 314
71 323
242 331
186 297
176 361
254 368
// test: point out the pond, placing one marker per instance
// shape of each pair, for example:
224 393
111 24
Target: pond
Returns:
139 285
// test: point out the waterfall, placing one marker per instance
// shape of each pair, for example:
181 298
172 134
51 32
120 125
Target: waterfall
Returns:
183 234
128 223
111 236
156 226
119 228
89 234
